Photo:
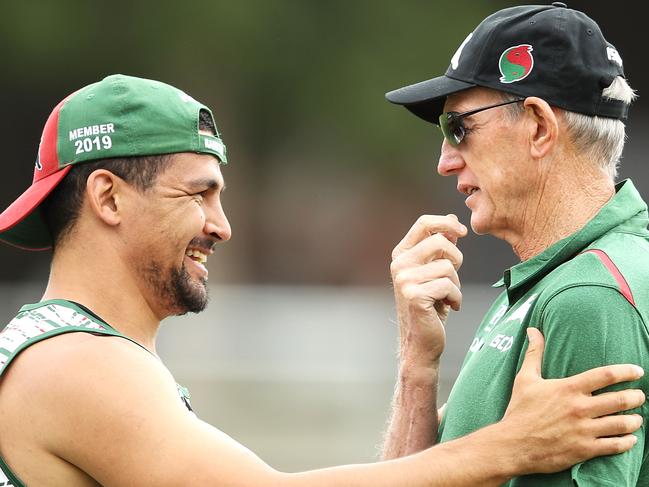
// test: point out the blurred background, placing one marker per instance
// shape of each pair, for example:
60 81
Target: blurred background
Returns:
296 354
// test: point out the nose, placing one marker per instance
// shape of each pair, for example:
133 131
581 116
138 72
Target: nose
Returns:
450 160
217 224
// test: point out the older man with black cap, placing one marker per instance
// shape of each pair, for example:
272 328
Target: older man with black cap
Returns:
532 110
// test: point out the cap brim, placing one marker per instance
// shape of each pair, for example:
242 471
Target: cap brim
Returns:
426 99
21 224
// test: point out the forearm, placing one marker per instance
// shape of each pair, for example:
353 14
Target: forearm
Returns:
483 458
426 287
413 424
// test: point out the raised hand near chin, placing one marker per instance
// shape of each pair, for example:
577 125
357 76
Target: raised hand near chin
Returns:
426 284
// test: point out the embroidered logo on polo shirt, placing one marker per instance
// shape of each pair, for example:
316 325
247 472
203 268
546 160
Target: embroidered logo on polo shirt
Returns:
521 312
496 318
502 342
477 344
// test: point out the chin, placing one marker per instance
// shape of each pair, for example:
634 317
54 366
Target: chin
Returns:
480 225
190 295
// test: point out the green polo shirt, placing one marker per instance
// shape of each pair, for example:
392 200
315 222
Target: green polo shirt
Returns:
589 295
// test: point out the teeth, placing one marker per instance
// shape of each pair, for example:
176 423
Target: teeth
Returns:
472 190
197 255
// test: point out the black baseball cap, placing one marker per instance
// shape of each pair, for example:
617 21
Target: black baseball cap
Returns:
548 51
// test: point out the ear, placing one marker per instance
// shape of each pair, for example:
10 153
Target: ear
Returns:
103 194
544 126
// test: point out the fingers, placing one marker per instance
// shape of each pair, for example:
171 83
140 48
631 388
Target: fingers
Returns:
423 296
576 425
428 225
445 291
434 247
615 402
619 424
534 355
613 445
595 379
427 272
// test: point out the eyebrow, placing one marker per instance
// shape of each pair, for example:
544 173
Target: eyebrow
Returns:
206 183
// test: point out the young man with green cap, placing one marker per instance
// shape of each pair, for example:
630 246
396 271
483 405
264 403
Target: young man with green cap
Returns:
532 110
127 190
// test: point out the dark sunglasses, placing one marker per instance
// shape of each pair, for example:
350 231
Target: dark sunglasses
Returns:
453 127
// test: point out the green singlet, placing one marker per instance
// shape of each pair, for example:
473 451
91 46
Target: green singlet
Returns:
40 321
589 295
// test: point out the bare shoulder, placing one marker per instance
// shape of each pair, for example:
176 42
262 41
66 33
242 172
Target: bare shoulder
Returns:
83 368
104 404
44 394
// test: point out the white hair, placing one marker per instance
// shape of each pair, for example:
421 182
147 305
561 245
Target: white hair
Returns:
600 139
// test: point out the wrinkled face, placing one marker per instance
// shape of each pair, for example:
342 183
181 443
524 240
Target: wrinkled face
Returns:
490 164
171 230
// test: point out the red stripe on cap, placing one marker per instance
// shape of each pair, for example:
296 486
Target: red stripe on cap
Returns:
615 272
48 155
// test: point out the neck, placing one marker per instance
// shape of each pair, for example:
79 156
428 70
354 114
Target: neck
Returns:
561 208
107 288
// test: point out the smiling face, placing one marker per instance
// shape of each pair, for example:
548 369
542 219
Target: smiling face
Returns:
491 163
171 229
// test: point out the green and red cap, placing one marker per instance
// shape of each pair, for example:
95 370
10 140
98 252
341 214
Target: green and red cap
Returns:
548 51
119 116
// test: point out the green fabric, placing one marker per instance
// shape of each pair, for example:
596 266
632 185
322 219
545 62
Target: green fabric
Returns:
123 116
577 303
30 234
